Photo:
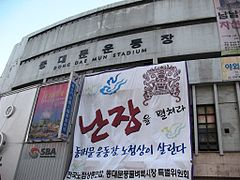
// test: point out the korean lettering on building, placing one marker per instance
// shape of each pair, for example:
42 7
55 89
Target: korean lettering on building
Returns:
132 174
108 51
230 68
119 117
131 150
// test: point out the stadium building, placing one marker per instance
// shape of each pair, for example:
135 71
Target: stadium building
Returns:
133 33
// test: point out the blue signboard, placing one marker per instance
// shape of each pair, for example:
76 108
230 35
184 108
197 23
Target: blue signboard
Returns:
68 109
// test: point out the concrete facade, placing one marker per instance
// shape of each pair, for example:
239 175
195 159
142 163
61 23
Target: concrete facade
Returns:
78 44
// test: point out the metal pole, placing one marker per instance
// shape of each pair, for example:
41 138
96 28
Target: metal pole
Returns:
195 119
238 96
219 129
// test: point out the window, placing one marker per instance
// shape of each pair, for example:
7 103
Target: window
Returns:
207 130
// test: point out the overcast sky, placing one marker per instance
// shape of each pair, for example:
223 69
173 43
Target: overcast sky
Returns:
19 18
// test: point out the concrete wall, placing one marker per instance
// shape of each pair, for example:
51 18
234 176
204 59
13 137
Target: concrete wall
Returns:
228 110
187 40
50 165
229 116
114 23
15 128
213 165
204 94
204 71
9 73
141 15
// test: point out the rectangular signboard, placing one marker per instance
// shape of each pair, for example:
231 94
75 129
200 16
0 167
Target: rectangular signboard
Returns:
134 124
230 68
69 106
48 113
228 19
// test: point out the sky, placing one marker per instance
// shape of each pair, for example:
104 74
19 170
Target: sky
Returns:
19 18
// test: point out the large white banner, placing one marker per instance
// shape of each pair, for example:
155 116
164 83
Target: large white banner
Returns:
134 124
228 20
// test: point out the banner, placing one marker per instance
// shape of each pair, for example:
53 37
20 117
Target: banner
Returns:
230 68
48 113
228 19
69 106
133 124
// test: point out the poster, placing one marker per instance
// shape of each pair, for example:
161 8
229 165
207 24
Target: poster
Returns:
133 124
230 68
228 19
48 113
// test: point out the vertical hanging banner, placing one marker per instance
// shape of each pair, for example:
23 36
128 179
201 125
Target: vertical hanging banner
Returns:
48 113
230 68
133 124
228 19
69 106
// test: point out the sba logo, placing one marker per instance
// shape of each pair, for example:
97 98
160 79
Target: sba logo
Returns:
42 153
